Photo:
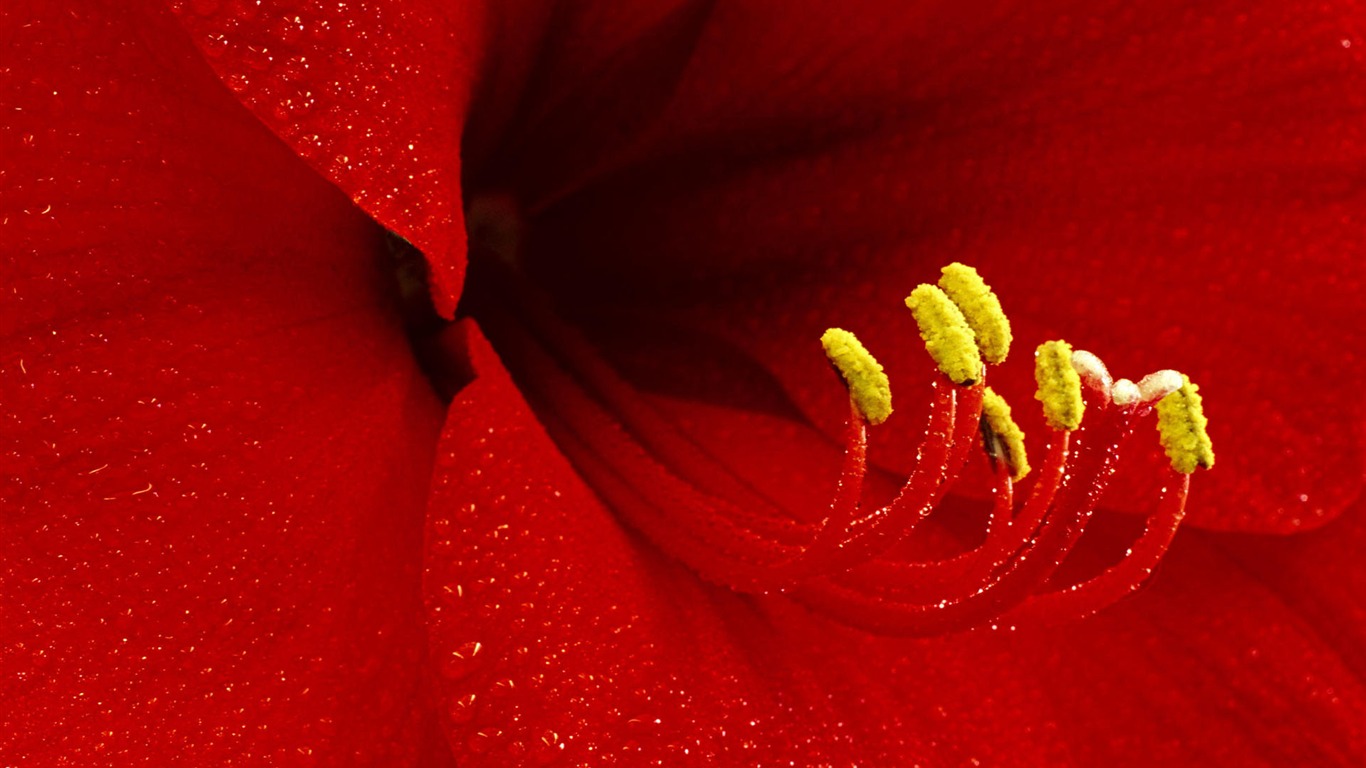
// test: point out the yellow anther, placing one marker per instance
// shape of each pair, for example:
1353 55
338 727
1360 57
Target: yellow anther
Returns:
981 308
948 337
1059 385
1181 425
1004 439
868 385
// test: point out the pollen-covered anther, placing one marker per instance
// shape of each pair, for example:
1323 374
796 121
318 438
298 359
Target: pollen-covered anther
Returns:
948 337
1059 385
869 388
1003 438
1182 426
980 308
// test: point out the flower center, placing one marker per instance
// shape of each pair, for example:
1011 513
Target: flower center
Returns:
847 562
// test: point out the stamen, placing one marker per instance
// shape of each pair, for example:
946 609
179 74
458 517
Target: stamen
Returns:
844 560
931 582
899 606
948 337
980 308
1059 385
1004 439
868 386
848 540
1081 600
1181 423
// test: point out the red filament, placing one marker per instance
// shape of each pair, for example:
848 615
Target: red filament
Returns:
699 510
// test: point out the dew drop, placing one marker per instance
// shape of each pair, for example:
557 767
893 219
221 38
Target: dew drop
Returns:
463 709
299 106
547 748
258 59
288 30
484 740
461 661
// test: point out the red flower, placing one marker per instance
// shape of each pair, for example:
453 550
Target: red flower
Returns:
220 448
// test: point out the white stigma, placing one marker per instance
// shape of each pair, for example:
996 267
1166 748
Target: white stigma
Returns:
1092 371
1125 392
1158 385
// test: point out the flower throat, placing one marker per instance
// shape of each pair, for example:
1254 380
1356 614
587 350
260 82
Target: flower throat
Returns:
846 561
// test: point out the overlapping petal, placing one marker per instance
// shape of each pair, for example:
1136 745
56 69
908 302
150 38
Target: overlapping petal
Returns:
216 444
374 99
706 189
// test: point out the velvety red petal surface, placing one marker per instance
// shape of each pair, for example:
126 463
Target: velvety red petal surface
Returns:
563 639
216 445
374 98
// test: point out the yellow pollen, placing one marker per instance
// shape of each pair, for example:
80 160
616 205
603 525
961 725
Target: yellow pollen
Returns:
868 384
948 337
981 308
1059 385
1003 437
1181 425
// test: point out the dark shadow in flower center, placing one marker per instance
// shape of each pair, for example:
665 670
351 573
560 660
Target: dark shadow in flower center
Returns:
656 355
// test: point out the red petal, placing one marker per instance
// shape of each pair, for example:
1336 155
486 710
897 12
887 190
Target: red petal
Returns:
373 98
197 336
565 638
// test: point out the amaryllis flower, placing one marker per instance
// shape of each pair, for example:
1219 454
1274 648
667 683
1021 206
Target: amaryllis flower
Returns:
262 506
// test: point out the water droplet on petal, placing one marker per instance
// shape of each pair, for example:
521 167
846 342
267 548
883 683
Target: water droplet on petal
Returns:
463 709
461 661
484 740
547 748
